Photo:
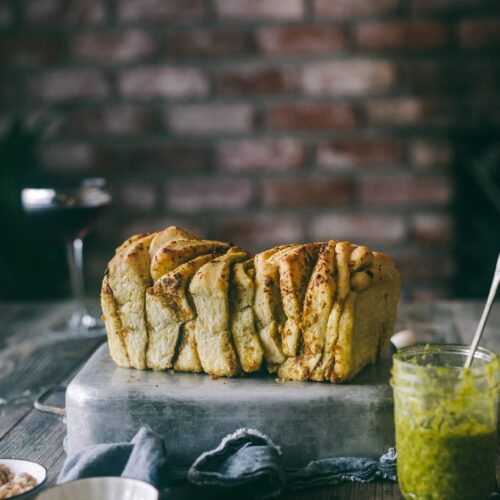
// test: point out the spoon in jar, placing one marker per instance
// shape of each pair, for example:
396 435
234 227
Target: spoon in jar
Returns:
484 316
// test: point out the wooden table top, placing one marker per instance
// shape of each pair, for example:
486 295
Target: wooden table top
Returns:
33 356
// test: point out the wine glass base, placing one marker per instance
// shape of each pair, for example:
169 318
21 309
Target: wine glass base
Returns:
81 324
86 325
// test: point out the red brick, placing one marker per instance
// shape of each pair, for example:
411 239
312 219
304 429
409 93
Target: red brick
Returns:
432 228
260 154
192 196
344 9
401 35
358 228
311 117
63 84
254 80
480 34
116 120
29 50
160 10
258 232
204 43
300 40
406 191
163 81
139 196
210 118
408 111
431 153
306 192
65 11
108 47
353 77
347 153
260 9
64 157
168 157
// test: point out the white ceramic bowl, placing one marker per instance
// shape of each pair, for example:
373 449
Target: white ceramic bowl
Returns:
39 472
102 488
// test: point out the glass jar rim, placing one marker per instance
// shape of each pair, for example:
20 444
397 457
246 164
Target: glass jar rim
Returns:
406 354
408 372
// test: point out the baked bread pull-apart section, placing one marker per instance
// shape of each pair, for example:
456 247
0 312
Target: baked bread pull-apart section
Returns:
315 311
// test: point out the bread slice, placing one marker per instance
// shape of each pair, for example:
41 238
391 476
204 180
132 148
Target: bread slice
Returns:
209 288
245 338
267 306
172 233
187 357
110 312
114 327
318 302
367 320
342 260
167 309
175 253
295 268
128 277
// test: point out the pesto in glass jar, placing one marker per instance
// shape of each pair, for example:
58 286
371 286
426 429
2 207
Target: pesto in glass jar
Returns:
446 421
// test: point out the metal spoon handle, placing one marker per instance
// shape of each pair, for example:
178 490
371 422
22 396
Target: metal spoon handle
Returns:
484 316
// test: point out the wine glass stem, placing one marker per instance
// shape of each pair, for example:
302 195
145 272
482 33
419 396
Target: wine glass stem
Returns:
74 250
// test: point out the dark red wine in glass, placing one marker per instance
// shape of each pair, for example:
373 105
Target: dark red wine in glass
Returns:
69 212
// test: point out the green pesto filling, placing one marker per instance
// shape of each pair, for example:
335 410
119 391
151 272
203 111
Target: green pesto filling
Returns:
437 466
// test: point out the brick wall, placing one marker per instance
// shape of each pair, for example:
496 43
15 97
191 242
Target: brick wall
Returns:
262 121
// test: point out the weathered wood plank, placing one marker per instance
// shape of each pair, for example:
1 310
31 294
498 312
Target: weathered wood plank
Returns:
36 364
351 491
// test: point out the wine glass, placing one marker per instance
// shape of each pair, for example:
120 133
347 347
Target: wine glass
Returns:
69 212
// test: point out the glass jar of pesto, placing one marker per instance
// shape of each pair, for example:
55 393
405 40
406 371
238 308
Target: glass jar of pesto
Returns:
446 422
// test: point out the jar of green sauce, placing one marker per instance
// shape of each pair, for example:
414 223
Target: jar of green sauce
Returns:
446 422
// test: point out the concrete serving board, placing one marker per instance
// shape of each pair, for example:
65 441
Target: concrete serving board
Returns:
193 412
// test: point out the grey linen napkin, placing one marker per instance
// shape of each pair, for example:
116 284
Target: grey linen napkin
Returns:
248 457
143 458
245 459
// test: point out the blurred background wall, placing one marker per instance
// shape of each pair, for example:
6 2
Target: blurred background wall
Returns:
265 122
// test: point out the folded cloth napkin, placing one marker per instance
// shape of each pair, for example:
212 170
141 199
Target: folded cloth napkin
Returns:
245 459
143 458
250 458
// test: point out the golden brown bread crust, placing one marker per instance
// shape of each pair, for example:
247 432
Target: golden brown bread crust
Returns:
128 277
172 233
114 327
209 288
167 310
175 253
295 269
245 337
318 311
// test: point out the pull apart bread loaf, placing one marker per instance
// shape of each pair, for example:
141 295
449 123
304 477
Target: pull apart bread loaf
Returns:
317 311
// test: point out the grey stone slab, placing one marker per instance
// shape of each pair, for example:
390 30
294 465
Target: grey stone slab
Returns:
309 420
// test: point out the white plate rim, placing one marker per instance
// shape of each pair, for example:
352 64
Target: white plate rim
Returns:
38 487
